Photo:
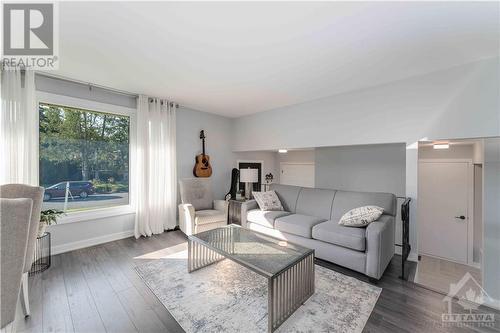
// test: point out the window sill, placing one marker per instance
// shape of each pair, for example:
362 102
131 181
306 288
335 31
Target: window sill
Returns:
95 214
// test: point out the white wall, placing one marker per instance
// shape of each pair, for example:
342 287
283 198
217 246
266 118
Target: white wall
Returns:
293 156
74 235
461 102
218 130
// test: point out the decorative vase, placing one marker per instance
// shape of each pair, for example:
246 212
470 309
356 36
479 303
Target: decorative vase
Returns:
41 229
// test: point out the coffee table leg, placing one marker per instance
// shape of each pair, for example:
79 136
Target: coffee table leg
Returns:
270 304
288 290
200 256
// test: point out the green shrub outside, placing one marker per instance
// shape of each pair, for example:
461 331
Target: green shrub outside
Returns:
110 187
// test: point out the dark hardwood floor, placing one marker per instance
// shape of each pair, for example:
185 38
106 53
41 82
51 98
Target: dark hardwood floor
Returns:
97 290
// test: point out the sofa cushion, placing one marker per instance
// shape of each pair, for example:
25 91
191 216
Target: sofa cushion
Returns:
209 216
345 201
315 202
361 216
265 217
268 200
288 195
331 232
297 224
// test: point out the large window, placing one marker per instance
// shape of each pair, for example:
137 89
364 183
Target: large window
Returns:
84 158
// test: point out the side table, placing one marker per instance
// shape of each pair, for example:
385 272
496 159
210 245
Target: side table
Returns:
234 211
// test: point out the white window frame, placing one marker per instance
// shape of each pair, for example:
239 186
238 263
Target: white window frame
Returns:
97 213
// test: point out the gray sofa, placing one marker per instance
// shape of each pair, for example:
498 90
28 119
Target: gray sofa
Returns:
311 219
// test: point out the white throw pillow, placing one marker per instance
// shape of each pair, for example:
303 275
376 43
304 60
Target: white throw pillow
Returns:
268 200
361 216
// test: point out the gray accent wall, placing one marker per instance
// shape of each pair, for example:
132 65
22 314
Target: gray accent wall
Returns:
370 168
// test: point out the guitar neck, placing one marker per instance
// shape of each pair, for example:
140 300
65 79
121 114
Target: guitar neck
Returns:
203 140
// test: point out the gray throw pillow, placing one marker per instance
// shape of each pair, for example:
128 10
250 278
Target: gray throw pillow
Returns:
268 200
361 216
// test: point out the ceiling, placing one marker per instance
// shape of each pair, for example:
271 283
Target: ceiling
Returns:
240 58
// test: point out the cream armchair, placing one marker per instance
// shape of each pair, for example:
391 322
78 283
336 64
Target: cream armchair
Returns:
198 210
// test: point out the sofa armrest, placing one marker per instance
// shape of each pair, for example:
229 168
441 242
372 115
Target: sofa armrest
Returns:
186 218
245 207
379 245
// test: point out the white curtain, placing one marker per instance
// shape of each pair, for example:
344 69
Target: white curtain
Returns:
18 128
155 167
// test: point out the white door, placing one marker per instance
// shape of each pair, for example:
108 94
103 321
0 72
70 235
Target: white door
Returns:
298 174
443 201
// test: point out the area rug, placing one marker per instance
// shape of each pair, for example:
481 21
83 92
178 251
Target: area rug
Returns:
226 297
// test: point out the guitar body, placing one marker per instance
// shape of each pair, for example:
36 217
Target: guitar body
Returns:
202 167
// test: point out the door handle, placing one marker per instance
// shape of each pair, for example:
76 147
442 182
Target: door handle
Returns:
460 217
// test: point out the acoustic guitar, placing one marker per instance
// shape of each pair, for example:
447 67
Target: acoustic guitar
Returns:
202 167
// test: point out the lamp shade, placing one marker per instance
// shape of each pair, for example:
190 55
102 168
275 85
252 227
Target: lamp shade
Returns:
249 175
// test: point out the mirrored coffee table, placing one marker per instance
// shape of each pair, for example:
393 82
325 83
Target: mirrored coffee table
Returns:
289 268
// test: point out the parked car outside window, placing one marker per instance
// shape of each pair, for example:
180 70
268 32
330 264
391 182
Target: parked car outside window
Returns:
81 189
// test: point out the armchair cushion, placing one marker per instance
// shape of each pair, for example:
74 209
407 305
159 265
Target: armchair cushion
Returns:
209 216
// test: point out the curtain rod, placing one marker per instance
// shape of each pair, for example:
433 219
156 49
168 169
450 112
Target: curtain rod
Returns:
63 78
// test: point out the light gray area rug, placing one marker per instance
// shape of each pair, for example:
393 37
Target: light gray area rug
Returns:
226 297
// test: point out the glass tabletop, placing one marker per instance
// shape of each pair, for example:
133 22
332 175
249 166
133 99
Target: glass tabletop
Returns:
262 253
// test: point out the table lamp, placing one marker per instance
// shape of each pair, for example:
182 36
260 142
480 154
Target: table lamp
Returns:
249 176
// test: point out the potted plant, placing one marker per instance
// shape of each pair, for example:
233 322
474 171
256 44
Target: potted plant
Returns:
48 217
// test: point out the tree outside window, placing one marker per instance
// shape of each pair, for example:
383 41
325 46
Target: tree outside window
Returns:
84 158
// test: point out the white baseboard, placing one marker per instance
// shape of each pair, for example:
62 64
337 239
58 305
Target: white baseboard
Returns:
413 256
91 242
